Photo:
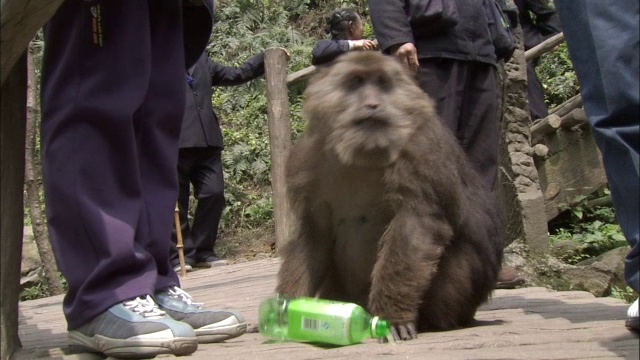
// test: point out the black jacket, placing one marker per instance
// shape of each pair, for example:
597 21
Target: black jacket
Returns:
200 127
546 23
327 50
469 40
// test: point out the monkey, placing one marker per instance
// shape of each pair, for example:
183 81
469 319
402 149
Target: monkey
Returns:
387 211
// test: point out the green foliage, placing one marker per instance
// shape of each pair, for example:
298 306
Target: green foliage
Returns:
555 71
40 289
595 230
627 294
242 29
37 291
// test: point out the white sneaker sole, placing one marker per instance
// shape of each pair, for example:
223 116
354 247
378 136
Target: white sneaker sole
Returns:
220 333
131 349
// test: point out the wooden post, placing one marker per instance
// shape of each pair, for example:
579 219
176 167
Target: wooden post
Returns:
544 47
179 242
13 110
567 106
279 137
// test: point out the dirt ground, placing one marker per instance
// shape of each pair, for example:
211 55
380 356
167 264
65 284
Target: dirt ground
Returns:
246 245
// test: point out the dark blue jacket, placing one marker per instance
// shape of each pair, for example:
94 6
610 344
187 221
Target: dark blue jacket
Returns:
200 127
327 50
468 40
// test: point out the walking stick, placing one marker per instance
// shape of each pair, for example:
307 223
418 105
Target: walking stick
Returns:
179 244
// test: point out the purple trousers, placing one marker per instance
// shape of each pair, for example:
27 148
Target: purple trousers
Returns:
112 104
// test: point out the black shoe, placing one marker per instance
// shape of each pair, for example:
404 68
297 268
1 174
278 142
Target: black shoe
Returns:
509 278
210 262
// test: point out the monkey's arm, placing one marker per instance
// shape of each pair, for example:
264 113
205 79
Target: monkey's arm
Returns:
408 258
306 258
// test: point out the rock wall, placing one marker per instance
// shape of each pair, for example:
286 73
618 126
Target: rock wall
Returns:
518 186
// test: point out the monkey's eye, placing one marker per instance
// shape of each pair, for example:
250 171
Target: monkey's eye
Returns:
384 83
355 82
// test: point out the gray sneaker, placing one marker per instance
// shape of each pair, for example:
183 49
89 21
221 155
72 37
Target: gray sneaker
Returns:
135 328
209 325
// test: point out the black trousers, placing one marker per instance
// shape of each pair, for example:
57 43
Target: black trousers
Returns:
465 94
112 104
535 93
201 167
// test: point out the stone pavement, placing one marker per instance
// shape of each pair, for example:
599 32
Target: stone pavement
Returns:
527 323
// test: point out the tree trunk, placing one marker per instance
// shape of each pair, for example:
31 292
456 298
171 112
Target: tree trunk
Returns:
32 184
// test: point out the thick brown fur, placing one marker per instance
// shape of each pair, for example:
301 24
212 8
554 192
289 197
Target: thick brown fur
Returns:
389 214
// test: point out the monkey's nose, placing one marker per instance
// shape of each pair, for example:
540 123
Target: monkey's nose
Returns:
371 105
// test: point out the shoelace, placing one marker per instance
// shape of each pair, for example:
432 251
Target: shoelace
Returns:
144 306
179 294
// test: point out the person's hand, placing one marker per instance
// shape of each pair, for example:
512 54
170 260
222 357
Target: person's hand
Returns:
287 53
407 54
364 44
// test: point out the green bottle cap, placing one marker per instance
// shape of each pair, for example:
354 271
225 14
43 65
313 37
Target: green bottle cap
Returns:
379 327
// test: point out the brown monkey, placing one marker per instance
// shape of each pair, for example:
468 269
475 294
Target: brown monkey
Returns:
389 214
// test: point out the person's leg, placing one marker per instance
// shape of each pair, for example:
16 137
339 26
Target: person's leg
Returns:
90 92
95 77
208 182
603 41
440 79
602 37
467 105
158 122
535 94
478 132
186 160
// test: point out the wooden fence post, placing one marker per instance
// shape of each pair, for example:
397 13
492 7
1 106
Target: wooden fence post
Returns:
21 19
279 137
12 132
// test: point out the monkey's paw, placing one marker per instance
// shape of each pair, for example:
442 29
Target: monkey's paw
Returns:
400 333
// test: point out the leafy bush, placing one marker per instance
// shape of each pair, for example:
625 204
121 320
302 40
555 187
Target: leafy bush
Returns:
558 78
594 229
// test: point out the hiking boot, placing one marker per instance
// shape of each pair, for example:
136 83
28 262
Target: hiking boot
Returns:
633 317
209 325
210 262
135 328
509 278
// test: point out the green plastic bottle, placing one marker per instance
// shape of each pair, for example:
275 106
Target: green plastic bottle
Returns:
318 320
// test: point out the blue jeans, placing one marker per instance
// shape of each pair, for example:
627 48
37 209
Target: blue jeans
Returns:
602 37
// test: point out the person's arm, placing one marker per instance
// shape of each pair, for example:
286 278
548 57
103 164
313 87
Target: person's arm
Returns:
222 75
393 32
327 50
390 23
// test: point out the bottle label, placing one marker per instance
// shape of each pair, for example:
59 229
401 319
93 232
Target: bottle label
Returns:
320 320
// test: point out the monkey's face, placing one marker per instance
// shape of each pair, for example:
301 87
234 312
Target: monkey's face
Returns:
365 107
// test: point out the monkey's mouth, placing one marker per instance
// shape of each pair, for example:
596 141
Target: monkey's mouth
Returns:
371 123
